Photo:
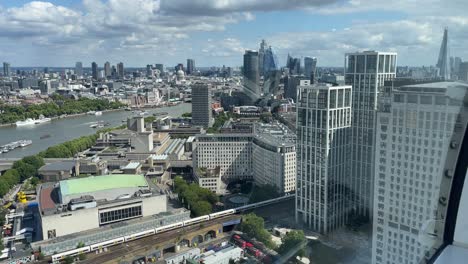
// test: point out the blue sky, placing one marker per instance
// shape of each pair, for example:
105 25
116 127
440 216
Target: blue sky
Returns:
213 32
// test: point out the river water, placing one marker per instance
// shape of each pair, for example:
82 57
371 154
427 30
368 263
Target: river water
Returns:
64 129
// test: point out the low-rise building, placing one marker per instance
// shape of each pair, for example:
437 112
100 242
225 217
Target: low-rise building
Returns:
210 179
57 171
77 205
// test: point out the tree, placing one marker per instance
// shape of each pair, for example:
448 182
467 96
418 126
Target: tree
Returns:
254 226
25 170
187 115
81 256
35 161
291 240
201 208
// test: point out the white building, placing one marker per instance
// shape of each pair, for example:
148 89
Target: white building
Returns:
268 157
274 157
415 124
323 143
365 72
223 256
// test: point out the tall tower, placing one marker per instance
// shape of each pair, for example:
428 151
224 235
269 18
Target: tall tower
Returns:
310 65
120 70
323 154
190 66
201 105
79 68
94 70
416 127
365 72
261 57
107 69
443 62
251 74
6 69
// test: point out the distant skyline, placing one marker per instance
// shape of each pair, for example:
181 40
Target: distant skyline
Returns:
139 32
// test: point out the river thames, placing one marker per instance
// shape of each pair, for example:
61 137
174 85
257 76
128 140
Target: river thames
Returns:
65 129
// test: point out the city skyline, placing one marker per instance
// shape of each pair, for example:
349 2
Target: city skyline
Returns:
219 33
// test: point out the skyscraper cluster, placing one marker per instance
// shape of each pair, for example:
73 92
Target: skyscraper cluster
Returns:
108 71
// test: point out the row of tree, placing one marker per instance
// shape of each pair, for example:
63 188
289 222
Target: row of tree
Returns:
28 166
58 105
198 200
20 171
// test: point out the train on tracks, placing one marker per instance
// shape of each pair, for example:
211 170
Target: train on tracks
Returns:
112 242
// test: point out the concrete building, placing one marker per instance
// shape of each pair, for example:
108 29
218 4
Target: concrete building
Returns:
224 256
82 204
79 68
266 156
290 85
251 80
323 153
414 132
210 179
120 70
107 70
463 71
274 157
94 70
365 72
201 105
57 171
6 69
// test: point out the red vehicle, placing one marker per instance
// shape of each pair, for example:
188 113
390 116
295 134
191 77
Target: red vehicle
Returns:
254 252
248 244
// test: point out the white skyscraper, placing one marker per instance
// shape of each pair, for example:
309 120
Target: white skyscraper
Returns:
415 125
366 72
323 154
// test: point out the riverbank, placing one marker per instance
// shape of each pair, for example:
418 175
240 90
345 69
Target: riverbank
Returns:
67 116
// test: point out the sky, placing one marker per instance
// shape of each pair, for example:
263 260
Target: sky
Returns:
217 32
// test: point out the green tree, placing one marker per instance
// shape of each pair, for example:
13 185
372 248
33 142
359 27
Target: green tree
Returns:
187 115
25 170
201 208
292 240
82 256
254 226
150 119
35 160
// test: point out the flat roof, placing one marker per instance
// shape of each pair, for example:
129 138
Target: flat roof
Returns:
101 183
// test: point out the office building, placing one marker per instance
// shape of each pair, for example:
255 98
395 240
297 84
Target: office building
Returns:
107 70
201 105
120 70
274 157
463 71
294 65
261 57
414 133
149 71
160 67
6 69
290 85
251 80
190 66
268 156
94 70
79 68
365 72
323 154
310 66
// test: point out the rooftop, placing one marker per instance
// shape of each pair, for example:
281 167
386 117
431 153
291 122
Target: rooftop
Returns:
59 166
101 183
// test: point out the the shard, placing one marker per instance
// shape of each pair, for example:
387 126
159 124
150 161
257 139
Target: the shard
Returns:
443 62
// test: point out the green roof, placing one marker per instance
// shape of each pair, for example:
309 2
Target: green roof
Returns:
101 183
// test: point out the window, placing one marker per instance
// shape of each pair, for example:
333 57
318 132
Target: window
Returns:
119 215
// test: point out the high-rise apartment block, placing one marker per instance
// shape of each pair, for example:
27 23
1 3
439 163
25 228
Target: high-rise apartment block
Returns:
323 155
201 105
107 69
310 66
365 72
120 70
415 126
